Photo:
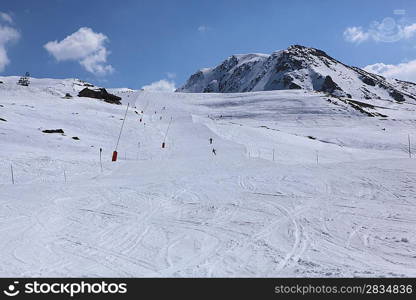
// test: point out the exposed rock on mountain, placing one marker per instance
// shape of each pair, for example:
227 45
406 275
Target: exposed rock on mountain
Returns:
297 67
100 93
61 131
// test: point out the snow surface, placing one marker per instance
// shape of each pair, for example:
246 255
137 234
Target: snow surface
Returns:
302 185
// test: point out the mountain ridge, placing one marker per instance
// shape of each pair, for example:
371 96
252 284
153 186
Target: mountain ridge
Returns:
297 67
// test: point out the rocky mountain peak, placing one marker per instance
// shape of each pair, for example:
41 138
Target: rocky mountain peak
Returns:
297 67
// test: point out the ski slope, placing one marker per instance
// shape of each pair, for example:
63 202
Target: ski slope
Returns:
301 185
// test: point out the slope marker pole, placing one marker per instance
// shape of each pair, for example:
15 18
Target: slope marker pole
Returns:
114 158
11 170
166 134
101 163
410 150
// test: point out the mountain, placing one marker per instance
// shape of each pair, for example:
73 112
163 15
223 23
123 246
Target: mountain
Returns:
297 67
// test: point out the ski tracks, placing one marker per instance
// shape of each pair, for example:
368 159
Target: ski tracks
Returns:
295 232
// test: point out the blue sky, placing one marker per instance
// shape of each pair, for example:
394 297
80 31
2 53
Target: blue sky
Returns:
135 43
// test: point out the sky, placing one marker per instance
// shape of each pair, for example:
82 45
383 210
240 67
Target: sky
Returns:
159 44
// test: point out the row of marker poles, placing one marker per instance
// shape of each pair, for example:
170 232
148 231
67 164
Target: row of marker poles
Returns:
409 150
12 173
317 154
114 158
259 154
164 144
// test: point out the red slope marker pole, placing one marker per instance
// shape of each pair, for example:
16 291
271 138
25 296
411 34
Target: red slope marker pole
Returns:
114 158
166 134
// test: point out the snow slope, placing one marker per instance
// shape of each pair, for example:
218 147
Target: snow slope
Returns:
302 185
297 67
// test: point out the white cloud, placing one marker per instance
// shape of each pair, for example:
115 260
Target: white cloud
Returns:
399 11
6 17
355 35
171 75
85 46
409 31
7 35
95 63
160 86
388 30
203 28
404 71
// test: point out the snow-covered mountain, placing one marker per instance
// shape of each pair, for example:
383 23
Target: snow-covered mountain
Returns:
297 67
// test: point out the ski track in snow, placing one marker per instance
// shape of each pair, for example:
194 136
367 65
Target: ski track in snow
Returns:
182 211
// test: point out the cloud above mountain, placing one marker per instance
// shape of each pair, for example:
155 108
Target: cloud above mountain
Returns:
5 17
203 28
388 30
8 35
160 86
86 47
404 71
